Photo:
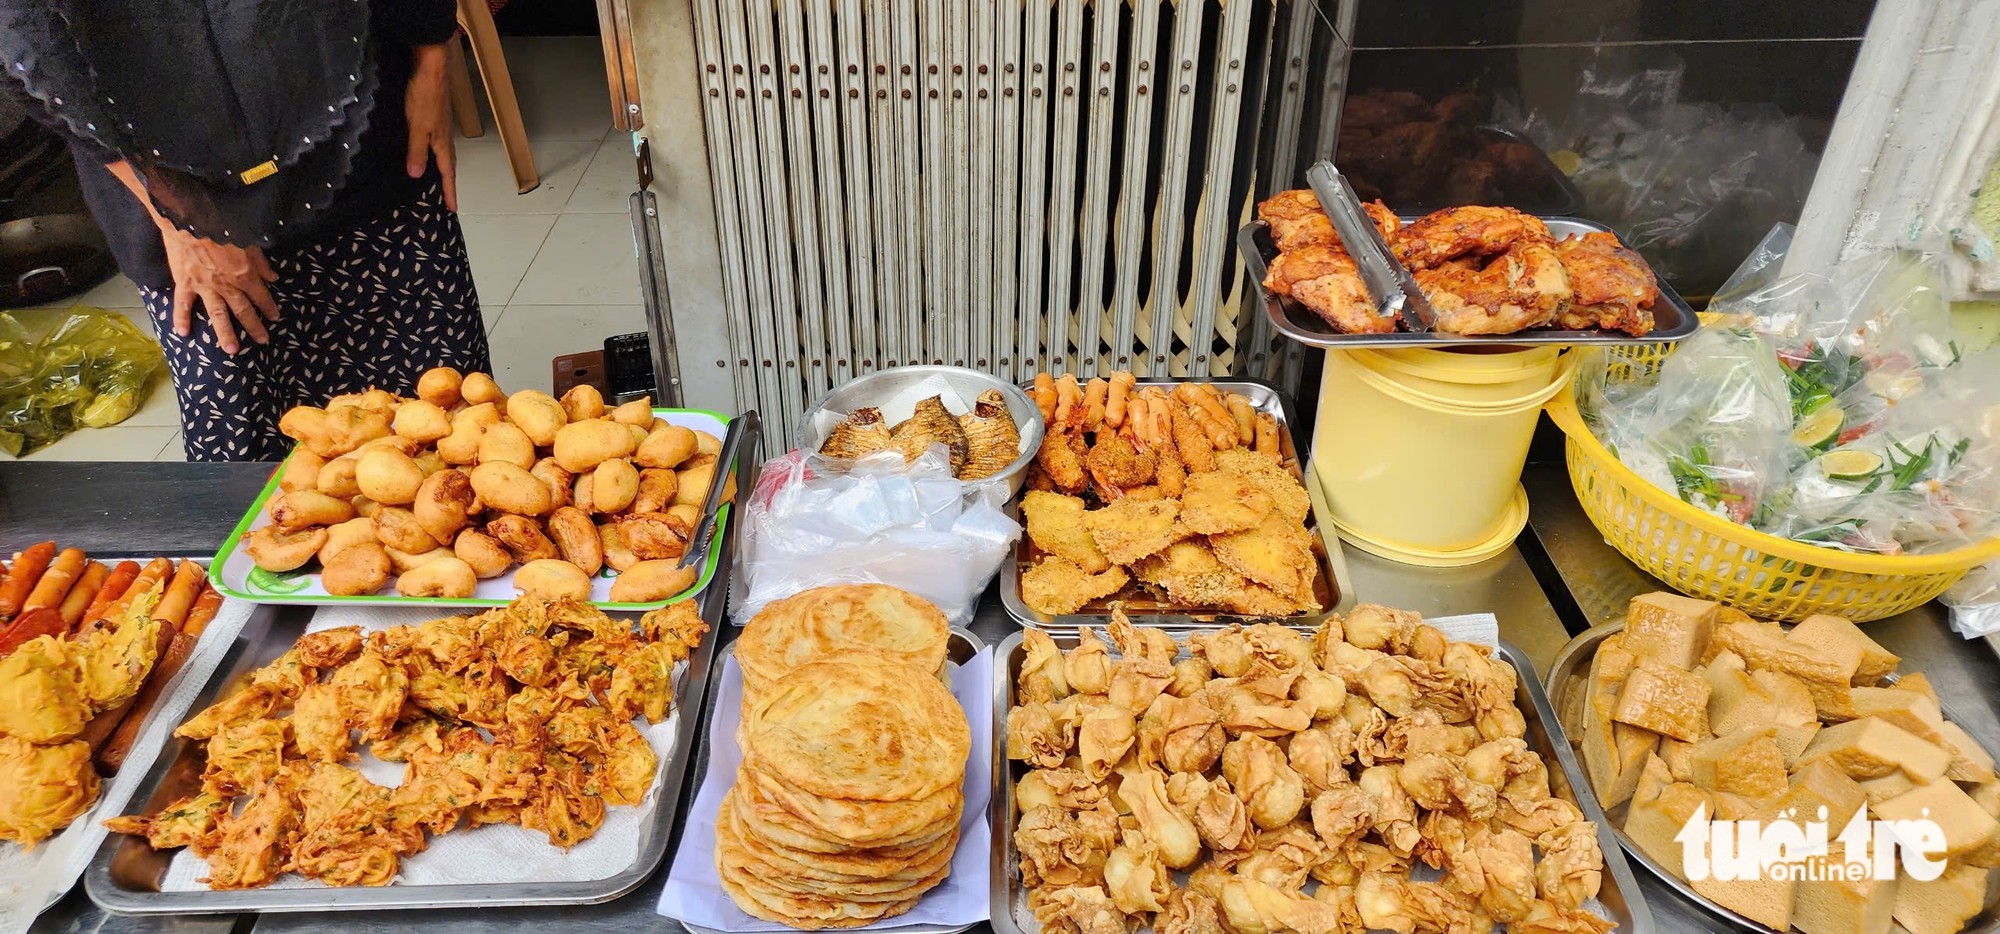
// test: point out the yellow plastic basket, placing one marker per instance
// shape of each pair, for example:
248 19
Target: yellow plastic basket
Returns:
1707 556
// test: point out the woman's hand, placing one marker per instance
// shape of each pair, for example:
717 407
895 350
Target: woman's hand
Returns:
428 107
229 280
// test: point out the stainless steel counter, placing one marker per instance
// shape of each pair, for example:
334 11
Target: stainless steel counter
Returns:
188 509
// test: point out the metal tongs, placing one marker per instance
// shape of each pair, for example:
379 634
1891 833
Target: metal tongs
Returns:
725 470
1389 283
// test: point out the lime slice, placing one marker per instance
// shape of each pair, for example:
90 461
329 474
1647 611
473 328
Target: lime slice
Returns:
1849 465
1566 160
1819 426
1894 387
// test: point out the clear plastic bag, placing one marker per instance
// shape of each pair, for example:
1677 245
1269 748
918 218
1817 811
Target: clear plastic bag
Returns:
1975 602
1715 430
877 521
92 369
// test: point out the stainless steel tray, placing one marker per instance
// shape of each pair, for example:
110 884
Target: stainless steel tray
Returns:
125 875
1568 674
1620 893
1672 318
961 649
1144 609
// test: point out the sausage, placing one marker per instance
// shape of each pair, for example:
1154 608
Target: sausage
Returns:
56 581
189 580
204 611
86 587
33 624
110 590
23 576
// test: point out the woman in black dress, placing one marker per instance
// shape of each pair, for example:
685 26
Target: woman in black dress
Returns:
277 178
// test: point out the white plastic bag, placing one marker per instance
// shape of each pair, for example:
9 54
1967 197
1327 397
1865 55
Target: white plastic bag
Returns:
877 522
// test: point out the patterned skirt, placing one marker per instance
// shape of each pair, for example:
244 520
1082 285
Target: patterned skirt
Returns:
373 306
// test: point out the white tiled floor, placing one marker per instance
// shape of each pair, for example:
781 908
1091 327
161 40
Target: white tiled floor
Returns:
554 267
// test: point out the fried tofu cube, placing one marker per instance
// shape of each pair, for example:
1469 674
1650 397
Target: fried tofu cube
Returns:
1747 763
1725 616
1669 701
1791 702
1966 826
1669 628
1871 748
1825 677
1827 902
1944 904
1838 638
1918 682
1907 709
1969 761
1613 753
1736 701
1660 808
1815 786
1888 786
1766 901
1735 807
1679 757
1793 740
1987 796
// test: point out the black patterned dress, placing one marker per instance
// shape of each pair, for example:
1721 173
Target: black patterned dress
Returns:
372 307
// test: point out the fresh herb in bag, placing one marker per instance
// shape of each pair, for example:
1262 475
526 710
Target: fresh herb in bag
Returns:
93 369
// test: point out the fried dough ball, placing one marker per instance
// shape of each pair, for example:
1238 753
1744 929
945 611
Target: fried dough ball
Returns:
275 550
478 388
613 486
686 512
421 421
336 478
551 579
439 386
354 531
506 444
350 427
388 476
299 509
705 443
694 485
666 447
651 582
510 488
398 528
468 429
364 507
404 562
580 494
443 503
447 578
583 401
538 414
636 412
523 538
429 462
555 478
656 490
580 446
577 539
657 535
483 553
616 556
301 471
361 568
302 422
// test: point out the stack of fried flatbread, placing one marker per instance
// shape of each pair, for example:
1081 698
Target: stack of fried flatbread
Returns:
846 807
798 629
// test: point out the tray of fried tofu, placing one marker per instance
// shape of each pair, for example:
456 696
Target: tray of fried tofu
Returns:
1691 710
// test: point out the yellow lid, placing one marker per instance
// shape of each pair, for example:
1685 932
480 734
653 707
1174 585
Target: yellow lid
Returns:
1509 527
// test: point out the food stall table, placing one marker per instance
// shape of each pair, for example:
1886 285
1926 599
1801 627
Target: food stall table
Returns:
187 509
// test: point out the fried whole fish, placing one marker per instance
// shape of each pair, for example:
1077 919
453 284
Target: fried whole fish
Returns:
860 435
930 424
992 441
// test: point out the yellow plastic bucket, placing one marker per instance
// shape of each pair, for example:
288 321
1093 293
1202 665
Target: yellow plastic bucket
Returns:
1420 451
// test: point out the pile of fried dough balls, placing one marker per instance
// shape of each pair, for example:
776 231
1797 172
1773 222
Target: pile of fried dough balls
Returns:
465 482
